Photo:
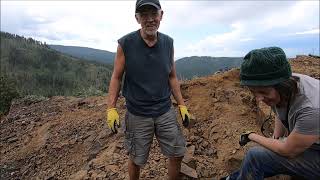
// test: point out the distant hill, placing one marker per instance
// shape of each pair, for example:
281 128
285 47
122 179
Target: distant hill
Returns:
187 67
86 53
38 70
195 66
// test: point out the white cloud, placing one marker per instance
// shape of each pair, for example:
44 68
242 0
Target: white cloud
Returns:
96 24
313 31
221 44
232 27
267 21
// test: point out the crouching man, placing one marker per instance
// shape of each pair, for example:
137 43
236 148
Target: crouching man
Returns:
295 100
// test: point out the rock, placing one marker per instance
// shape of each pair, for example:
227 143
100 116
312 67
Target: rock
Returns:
210 152
215 138
94 150
38 162
90 105
205 144
156 158
188 171
81 103
199 140
189 143
206 173
119 146
12 139
243 113
37 119
102 175
79 175
113 168
213 131
199 130
72 141
229 133
101 167
194 138
189 154
115 155
186 132
51 176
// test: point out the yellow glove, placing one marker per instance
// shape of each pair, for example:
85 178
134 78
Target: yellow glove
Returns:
113 119
184 115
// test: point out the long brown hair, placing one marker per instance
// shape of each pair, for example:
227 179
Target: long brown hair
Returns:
287 89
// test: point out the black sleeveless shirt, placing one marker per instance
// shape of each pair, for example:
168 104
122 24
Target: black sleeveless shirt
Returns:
146 84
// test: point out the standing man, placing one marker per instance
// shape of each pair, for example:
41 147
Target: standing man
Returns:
295 100
146 56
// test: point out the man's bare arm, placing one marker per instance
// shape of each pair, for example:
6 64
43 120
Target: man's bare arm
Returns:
174 84
279 129
116 78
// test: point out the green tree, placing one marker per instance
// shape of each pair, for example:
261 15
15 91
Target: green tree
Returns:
8 92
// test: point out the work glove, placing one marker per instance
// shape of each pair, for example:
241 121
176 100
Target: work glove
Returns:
244 138
113 119
184 115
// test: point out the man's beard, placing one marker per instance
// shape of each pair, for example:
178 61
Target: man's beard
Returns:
151 33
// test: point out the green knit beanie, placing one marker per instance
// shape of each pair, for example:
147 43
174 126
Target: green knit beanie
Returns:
265 67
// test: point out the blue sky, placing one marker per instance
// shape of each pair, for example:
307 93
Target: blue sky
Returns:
199 28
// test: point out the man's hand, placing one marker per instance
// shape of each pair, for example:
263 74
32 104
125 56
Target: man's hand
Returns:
244 138
113 119
184 115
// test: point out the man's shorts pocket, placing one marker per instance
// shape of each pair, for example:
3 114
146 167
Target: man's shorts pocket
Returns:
129 143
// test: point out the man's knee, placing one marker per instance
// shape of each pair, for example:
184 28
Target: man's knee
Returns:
139 160
133 164
257 154
176 159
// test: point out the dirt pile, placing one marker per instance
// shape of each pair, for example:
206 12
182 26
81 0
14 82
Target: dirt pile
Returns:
67 137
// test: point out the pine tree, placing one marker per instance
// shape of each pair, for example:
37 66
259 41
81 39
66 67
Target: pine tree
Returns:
8 92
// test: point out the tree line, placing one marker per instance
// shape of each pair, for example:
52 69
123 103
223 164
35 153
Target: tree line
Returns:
32 68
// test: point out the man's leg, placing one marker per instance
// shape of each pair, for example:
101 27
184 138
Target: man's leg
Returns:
260 163
134 170
138 139
174 167
171 140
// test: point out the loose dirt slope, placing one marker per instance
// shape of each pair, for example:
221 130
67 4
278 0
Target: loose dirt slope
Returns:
67 137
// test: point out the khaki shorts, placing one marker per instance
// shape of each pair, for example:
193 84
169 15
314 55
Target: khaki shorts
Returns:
139 133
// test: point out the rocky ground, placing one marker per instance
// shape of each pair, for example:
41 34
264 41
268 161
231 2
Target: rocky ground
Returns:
67 137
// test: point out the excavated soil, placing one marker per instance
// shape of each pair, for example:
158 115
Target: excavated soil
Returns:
67 137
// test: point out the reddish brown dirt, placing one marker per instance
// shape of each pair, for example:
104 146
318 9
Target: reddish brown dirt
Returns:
67 137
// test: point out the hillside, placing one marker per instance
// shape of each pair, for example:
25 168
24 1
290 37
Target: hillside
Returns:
86 53
195 66
38 70
187 67
67 137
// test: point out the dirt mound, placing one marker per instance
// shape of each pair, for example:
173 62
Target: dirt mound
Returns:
67 137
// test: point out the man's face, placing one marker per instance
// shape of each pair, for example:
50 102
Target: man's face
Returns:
149 18
267 95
